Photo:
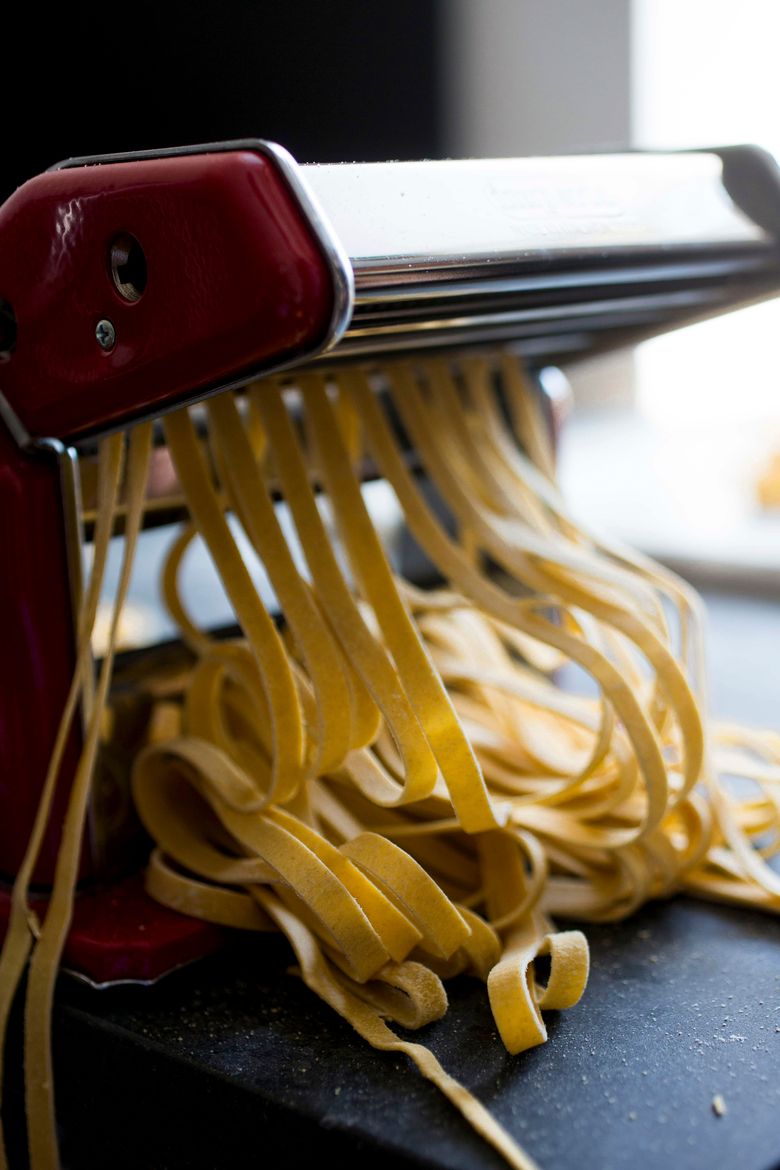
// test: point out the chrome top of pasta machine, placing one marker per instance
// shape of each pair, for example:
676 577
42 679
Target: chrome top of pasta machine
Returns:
560 256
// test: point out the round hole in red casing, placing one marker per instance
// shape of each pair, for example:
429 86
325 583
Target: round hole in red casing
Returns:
128 267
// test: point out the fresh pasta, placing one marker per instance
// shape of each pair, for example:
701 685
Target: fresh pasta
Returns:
409 784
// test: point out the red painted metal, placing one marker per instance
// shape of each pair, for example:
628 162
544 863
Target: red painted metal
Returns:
119 933
236 279
36 634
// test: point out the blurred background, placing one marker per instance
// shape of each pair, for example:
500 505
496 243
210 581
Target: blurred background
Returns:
669 443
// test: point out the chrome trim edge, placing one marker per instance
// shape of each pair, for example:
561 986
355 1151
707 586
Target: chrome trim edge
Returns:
108 984
341 268
70 486
16 427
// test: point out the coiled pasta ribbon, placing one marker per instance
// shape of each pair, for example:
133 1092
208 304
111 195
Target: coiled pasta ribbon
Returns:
409 783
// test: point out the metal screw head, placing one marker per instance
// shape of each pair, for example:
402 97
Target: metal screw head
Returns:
105 334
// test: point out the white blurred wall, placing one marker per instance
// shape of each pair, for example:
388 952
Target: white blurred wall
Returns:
705 72
538 76
544 77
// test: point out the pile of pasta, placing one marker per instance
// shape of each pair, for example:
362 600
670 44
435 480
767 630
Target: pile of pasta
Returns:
409 784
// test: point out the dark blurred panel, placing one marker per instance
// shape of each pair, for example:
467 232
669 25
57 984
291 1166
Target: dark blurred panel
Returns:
332 80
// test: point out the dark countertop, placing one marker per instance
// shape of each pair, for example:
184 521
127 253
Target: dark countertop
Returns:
234 1063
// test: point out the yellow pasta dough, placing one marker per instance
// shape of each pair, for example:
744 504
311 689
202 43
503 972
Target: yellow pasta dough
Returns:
407 783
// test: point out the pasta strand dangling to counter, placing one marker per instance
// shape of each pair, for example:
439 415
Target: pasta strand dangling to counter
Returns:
407 783
43 942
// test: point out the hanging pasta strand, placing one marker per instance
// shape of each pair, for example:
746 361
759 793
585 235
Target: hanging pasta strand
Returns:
23 925
411 784
26 936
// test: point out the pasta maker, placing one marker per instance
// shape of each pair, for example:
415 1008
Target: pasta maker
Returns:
133 284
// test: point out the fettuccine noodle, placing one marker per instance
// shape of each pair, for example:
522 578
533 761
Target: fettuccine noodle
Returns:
410 784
